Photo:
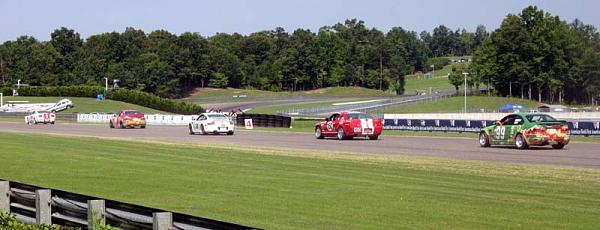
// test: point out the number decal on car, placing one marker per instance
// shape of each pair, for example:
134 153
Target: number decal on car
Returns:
330 126
500 132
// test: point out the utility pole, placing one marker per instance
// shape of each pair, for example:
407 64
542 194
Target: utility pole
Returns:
465 73
105 86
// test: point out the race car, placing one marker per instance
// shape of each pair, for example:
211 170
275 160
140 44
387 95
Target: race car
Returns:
40 116
215 123
347 125
524 130
128 119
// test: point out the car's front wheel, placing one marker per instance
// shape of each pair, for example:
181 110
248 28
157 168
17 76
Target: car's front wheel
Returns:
373 137
121 125
484 140
520 142
111 125
230 133
191 130
558 146
318 133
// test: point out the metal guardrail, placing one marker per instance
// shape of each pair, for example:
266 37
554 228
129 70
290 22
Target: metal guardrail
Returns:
577 128
36 205
375 107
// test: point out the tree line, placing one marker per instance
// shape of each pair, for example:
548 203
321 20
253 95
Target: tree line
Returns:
170 65
538 56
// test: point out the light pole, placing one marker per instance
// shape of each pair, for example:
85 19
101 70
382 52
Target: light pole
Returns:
465 73
105 85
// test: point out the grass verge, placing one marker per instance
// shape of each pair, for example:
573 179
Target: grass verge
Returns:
306 190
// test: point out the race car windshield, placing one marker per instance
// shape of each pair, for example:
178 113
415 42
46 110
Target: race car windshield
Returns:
540 117
131 112
359 116
43 111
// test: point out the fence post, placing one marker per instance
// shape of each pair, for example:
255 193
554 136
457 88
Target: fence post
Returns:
162 220
96 214
43 213
4 197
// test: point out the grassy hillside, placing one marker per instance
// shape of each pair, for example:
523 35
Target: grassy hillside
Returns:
86 105
291 189
456 104
439 80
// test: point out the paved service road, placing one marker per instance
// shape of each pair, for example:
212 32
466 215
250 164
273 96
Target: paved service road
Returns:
575 154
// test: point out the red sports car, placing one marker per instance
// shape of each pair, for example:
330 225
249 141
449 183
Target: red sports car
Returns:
128 119
346 125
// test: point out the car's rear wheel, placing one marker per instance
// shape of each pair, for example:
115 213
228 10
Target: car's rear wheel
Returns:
484 140
373 137
121 125
143 126
520 142
230 133
111 125
341 135
558 146
52 123
318 133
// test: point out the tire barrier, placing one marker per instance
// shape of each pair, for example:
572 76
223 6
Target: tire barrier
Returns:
34 205
265 120
578 128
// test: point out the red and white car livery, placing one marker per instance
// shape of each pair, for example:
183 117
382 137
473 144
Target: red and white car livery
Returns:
40 116
128 119
346 125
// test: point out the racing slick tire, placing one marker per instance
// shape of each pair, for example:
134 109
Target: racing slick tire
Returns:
520 142
373 137
558 146
230 133
121 125
341 135
318 133
52 123
191 130
484 140
142 127
110 124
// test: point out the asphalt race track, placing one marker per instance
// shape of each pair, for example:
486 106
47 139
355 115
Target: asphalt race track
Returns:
574 154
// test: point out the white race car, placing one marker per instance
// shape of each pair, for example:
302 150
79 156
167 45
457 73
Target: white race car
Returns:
212 123
40 116
61 105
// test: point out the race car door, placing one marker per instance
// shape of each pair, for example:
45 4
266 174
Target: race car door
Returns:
501 135
331 125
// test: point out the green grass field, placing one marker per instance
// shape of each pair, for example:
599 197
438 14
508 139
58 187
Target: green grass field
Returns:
439 80
291 189
456 104
86 105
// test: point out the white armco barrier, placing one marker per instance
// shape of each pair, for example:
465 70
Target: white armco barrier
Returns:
151 119
490 116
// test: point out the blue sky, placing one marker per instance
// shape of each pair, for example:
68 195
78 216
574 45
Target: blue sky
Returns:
40 18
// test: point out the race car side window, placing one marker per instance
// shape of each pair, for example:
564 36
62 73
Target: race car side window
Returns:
334 117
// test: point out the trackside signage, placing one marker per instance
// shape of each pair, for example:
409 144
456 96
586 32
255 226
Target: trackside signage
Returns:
583 128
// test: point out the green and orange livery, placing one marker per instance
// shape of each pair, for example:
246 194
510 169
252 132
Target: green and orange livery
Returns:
524 130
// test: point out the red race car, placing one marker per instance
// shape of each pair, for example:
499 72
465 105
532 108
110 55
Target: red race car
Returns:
128 119
346 125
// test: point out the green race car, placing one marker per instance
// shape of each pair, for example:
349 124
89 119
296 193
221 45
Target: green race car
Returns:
524 130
